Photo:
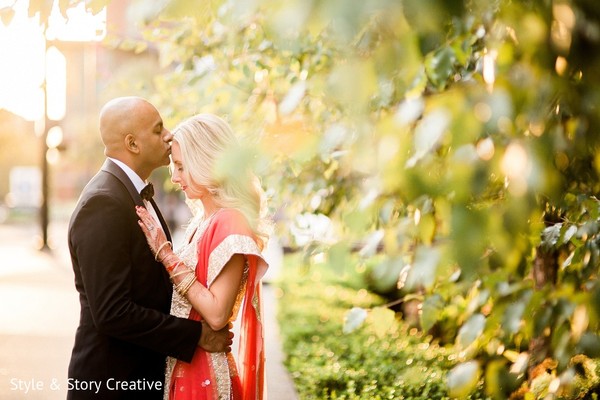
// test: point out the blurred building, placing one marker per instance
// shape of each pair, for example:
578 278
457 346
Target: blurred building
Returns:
119 64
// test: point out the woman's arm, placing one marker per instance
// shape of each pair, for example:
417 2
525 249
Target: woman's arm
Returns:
214 304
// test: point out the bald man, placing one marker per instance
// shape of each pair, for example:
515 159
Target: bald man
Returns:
125 331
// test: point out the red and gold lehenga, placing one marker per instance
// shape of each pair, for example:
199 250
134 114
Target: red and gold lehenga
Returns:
209 246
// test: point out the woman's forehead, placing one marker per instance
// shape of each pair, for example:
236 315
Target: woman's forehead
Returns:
175 151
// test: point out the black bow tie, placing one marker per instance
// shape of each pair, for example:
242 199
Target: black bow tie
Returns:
147 192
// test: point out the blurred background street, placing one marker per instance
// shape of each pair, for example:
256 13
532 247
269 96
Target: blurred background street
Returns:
38 312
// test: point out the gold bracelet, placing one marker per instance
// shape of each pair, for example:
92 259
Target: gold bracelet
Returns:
178 287
181 273
160 248
186 284
181 263
183 290
182 282
189 285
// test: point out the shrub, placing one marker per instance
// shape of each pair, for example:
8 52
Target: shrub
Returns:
376 361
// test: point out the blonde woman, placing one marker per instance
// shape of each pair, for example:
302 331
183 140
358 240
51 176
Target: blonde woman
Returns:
219 267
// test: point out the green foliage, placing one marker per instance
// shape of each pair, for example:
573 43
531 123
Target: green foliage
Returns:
454 144
42 8
385 359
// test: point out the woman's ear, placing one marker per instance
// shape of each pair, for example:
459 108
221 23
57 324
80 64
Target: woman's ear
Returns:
131 144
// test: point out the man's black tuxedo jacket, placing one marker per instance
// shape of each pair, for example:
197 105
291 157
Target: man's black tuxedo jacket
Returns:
125 330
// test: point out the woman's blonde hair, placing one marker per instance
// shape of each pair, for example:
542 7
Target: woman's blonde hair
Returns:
206 141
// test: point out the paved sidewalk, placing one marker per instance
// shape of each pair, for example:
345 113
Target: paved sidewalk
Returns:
39 312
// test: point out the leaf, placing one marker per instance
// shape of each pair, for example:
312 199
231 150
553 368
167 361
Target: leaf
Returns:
498 381
140 47
63 6
385 275
372 243
289 137
339 258
247 72
427 227
179 10
470 331
334 139
382 319
6 15
520 361
292 98
568 233
462 379
235 163
418 85
428 134
422 272
95 6
590 344
511 355
410 110
440 66
431 310
354 319
589 228
353 83
41 7
568 260
513 316
591 206
550 236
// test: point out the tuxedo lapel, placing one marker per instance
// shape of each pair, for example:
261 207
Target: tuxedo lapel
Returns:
113 169
118 173
161 219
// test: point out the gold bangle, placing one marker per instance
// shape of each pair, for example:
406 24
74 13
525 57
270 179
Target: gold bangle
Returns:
181 273
159 250
180 289
181 263
184 282
171 268
185 285
189 285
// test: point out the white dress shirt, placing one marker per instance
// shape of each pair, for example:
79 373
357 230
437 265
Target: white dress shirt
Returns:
139 185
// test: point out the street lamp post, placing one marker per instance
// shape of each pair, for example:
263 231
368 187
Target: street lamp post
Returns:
84 28
44 207
54 87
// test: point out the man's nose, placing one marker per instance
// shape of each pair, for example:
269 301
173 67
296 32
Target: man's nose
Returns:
168 136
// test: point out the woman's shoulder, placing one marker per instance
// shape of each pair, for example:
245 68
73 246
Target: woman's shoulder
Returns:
229 214
231 218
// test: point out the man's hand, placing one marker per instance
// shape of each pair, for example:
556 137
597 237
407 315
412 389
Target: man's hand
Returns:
216 341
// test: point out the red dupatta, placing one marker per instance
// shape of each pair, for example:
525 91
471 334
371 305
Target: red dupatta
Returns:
228 234
251 354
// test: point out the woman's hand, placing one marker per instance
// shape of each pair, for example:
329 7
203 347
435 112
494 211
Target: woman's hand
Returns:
156 237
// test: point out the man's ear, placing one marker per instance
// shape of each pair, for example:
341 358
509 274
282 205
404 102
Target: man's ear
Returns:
131 144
